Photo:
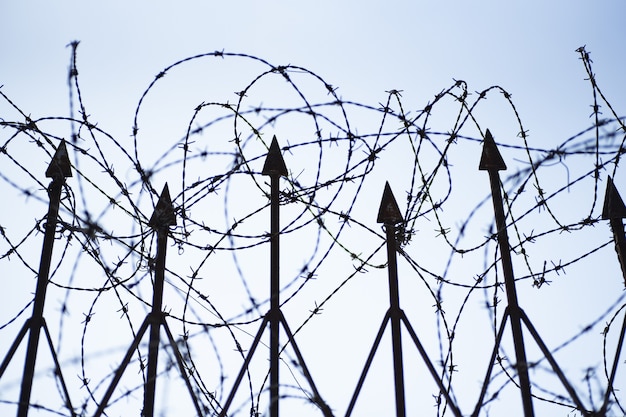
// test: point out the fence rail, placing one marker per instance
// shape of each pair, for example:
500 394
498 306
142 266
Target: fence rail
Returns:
110 264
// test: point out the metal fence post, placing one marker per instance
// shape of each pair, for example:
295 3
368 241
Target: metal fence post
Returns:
492 162
58 170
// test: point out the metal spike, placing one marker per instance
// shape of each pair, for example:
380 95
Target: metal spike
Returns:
163 215
389 212
60 166
274 163
613 207
491 158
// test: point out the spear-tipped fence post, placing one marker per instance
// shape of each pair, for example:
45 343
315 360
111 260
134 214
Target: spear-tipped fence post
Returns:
614 211
161 220
390 216
59 169
275 168
492 162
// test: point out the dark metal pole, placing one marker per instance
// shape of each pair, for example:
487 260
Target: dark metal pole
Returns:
614 211
162 218
617 226
155 325
58 170
274 167
390 215
492 162
275 300
396 338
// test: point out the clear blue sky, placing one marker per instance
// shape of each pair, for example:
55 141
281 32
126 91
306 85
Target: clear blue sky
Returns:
363 48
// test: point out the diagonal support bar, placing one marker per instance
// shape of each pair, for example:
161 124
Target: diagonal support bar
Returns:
14 346
368 363
317 400
610 389
57 366
244 367
181 367
555 366
120 371
431 367
492 361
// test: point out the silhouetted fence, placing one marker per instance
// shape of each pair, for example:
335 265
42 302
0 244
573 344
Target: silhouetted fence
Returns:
515 336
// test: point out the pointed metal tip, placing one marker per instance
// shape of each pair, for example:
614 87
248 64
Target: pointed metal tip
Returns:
274 163
389 212
163 215
613 207
60 166
491 158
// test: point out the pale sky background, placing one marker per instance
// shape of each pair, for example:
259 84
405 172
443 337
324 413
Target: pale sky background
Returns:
363 49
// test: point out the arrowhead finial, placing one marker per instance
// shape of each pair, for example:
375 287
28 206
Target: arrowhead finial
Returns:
60 166
274 163
389 212
491 158
613 207
163 215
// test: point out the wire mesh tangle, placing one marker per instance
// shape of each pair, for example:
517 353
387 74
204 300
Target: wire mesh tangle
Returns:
511 292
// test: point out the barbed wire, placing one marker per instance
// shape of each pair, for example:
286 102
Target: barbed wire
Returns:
339 153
